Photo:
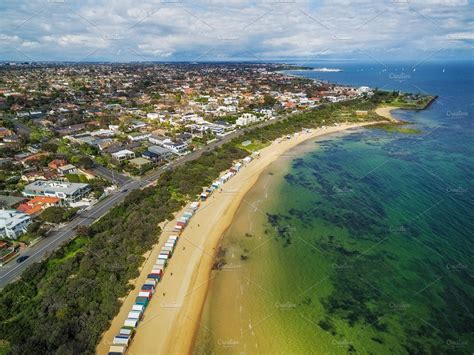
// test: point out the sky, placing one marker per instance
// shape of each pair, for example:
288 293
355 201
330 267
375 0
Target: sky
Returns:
235 30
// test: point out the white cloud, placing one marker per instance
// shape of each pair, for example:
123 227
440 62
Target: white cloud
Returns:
267 29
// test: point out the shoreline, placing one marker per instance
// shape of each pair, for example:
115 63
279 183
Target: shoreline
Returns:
180 296
387 112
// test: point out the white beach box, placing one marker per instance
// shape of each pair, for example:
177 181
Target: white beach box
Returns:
130 323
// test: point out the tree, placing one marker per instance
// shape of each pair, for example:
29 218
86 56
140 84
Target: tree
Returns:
85 162
50 147
53 214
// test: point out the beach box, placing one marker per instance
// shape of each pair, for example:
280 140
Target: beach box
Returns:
134 315
168 249
121 340
131 323
163 256
142 301
117 350
146 294
151 282
169 244
157 269
156 276
126 331
161 262
138 307
150 288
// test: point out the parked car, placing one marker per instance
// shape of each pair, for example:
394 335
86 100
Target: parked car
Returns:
22 258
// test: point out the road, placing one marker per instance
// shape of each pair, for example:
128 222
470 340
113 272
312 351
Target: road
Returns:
12 271
113 176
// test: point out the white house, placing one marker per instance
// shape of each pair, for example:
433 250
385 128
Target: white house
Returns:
246 119
13 223
137 136
66 191
123 154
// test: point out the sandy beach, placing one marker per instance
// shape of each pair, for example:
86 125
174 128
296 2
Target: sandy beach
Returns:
173 315
386 112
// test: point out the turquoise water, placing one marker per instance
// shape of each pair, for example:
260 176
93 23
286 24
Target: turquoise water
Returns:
371 237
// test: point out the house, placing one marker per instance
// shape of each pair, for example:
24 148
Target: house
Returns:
67 169
136 124
56 163
37 204
153 116
177 147
13 223
157 153
123 154
137 136
140 162
68 192
157 139
246 119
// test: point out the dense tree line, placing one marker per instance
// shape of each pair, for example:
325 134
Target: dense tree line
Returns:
63 304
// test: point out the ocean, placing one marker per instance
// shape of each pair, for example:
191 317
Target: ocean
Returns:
361 242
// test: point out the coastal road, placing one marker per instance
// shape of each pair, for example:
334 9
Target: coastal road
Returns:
12 271
111 175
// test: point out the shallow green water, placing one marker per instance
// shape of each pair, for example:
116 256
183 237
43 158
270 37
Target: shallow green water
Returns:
356 244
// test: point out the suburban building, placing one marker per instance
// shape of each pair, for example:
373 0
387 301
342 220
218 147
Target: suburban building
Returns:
67 169
68 192
140 162
157 153
13 223
138 136
37 204
246 119
123 154
177 147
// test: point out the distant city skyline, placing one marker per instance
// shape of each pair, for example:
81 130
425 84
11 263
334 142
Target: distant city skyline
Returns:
234 30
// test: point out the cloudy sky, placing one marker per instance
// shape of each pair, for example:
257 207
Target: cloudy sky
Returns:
170 30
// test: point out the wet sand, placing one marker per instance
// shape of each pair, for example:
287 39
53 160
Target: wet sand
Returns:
173 316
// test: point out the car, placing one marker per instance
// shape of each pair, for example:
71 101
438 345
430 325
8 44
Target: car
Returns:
22 258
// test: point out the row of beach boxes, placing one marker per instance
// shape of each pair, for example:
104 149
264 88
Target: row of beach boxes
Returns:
184 219
126 333
222 180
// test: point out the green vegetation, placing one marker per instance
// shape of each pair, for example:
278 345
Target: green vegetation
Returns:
57 214
398 128
63 305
